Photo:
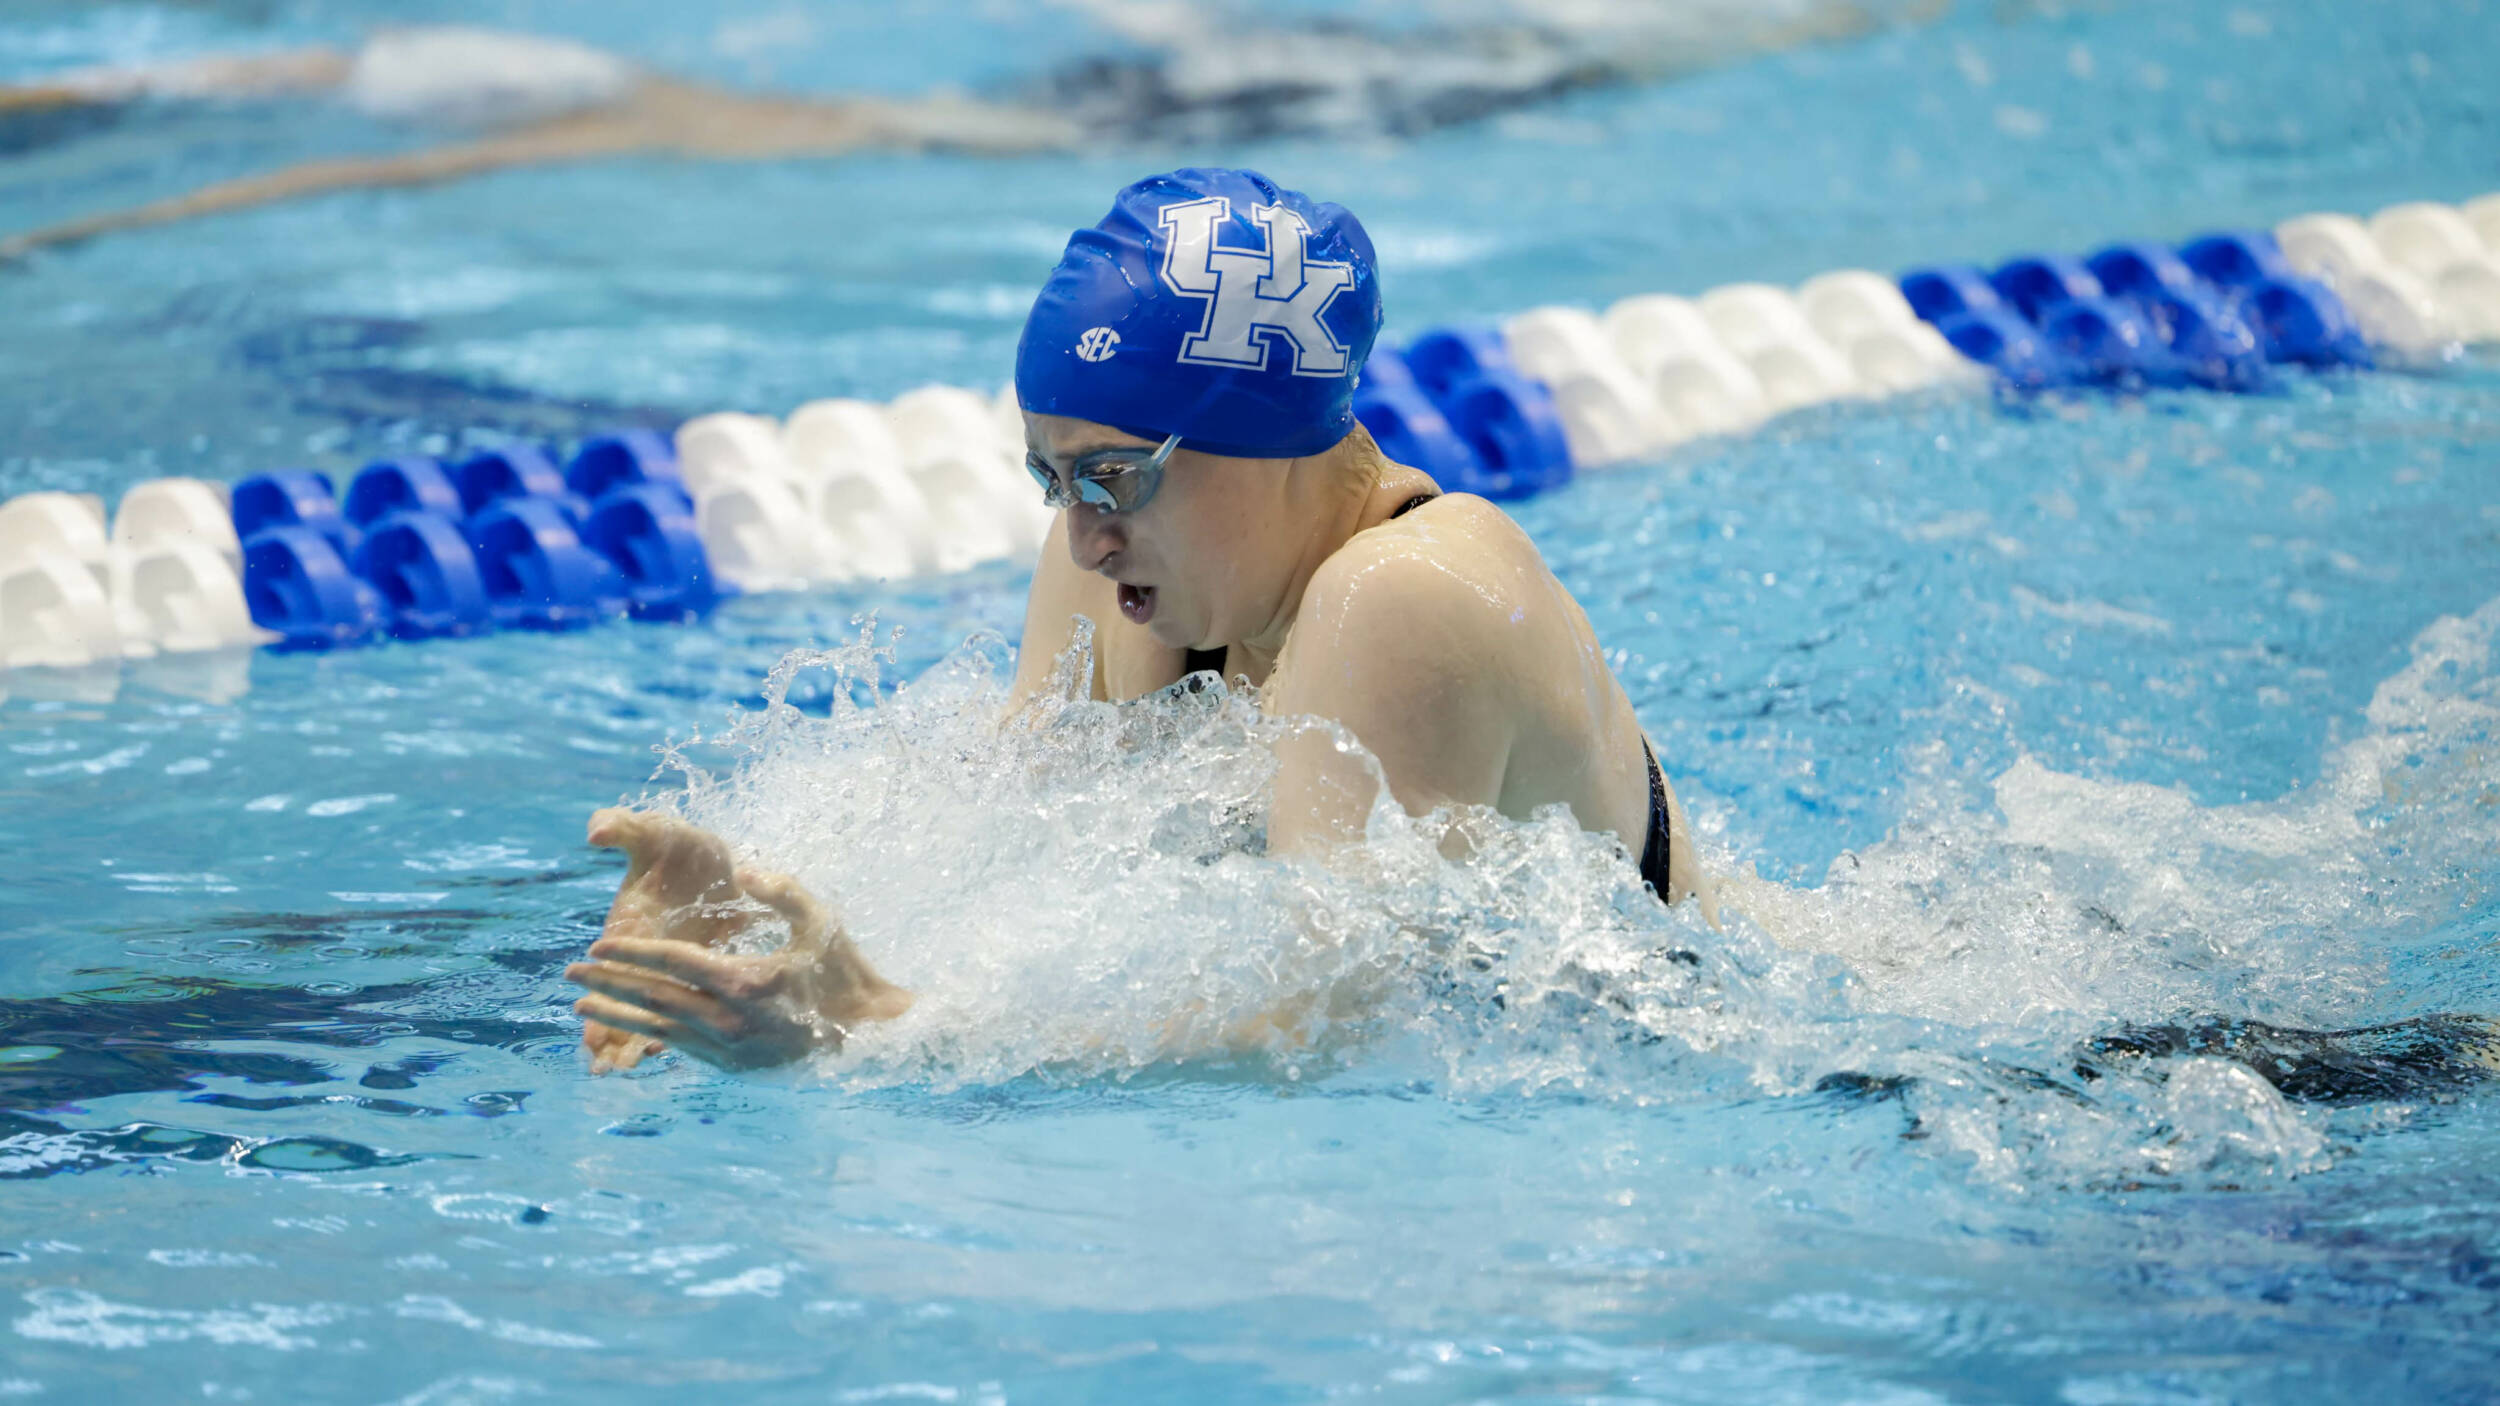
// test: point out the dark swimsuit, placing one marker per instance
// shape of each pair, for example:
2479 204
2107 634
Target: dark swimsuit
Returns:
1653 848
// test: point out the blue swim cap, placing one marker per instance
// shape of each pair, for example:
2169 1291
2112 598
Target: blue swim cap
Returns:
1209 304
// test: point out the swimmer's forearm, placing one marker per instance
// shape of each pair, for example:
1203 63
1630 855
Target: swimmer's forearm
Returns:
216 76
567 142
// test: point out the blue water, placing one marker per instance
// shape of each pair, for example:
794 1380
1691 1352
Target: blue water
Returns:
2030 719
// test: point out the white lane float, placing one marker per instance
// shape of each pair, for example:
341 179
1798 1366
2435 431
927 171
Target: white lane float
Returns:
846 455
1701 387
984 506
1764 327
1863 316
173 511
182 597
2441 246
51 524
749 508
54 614
2417 277
56 572
1607 414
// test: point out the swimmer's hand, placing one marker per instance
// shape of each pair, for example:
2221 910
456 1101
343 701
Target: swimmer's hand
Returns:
678 884
654 977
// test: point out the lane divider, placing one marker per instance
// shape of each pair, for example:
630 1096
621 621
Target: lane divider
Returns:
632 524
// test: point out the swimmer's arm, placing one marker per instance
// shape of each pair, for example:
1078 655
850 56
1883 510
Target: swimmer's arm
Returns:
568 140
1386 649
1390 647
280 74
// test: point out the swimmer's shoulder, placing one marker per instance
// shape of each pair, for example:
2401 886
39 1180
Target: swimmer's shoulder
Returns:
1442 577
1453 542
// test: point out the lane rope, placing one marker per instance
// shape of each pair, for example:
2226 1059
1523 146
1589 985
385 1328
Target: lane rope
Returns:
631 524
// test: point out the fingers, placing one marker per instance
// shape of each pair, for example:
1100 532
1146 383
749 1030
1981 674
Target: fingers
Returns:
611 1048
608 1010
654 994
608 826
622 1016
698 967
616 827
694 863
809 921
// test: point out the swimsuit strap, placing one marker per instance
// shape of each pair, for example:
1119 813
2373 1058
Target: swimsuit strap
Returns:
1654 848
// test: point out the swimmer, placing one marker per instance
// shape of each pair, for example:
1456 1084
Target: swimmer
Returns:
1187 376
530 100
533 101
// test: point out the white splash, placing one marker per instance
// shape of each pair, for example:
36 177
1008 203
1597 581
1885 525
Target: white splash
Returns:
1080 894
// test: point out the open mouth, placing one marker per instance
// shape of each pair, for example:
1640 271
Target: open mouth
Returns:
1137 602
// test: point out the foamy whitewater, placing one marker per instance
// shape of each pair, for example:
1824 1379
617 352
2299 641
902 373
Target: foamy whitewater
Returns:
1079 894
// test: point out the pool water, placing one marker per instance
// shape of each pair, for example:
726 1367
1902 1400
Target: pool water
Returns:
2013 722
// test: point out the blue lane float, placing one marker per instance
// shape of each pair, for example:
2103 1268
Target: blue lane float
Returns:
2210 344
290 498
296 584
427 577
1409 427
512 471
1993 336
538 573
1949 289
2214 312
2299 321
1510 424
2037 284
503 540
399 486
2237 258
1454 402
1446 356
2142 271
629 459
2102 341
647 530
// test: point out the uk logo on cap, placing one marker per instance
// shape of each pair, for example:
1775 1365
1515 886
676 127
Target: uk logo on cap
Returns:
1277 289
1211 303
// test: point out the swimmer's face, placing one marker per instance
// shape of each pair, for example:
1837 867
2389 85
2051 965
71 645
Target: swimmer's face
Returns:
1187 561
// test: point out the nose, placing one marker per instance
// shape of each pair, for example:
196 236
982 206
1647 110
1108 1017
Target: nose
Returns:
1094 536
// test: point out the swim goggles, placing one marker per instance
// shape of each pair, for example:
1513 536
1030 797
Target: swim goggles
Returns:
1118 480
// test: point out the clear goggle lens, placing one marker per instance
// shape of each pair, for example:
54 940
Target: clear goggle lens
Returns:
1113 480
